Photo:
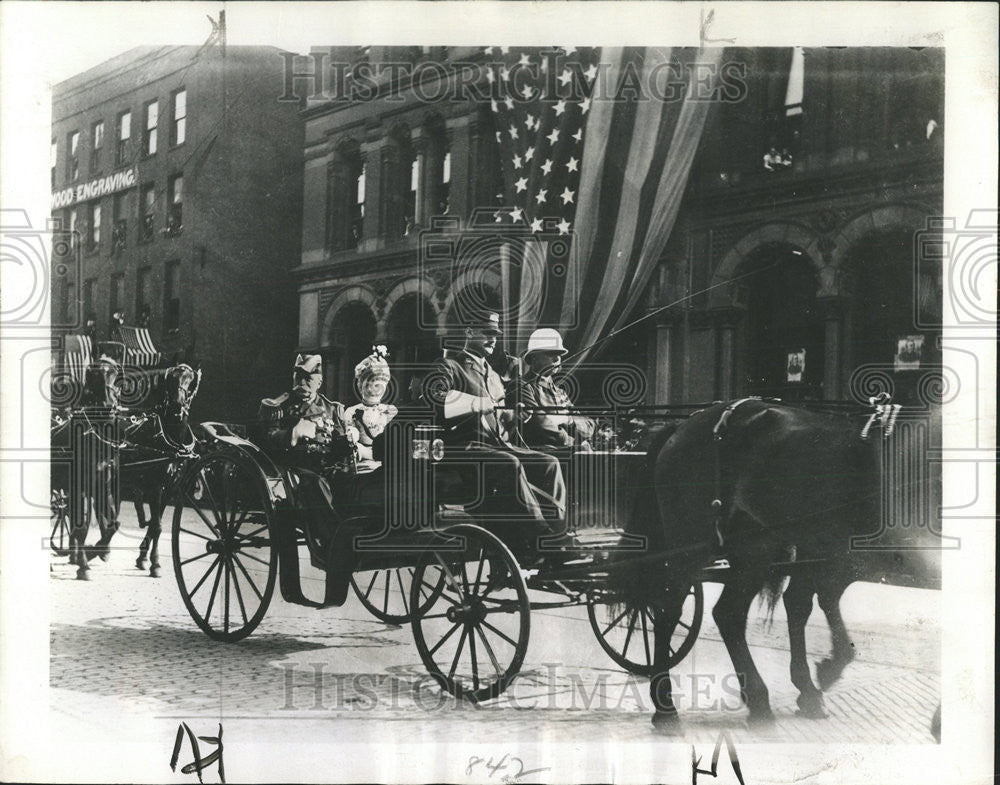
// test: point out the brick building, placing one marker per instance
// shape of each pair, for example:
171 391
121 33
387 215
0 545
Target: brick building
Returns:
178 174
791 262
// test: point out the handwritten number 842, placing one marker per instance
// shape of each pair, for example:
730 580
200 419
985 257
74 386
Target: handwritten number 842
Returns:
501 765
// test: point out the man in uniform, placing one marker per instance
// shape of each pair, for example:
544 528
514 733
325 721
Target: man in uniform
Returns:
304 430
548 430
517 484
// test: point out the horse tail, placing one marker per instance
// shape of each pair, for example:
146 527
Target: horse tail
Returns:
774 587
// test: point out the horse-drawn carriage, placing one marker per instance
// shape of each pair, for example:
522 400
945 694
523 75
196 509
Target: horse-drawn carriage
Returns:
424 558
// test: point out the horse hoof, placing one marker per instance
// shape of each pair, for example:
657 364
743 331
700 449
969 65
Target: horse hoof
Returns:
826 674
811 706
140 563
666 721
154 571
83 574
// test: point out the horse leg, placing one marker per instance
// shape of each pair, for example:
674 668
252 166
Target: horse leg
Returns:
730 613
798 599
153 534
664 621
830 669
140 513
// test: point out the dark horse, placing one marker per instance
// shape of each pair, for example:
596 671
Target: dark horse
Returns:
157 443
760 484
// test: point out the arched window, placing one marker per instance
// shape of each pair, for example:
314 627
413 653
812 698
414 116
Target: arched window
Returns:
346 198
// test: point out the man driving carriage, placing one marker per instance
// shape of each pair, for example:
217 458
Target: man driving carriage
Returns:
305 431
548 423
515 483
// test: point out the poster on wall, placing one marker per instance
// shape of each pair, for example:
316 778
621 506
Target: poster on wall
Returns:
909 349
796 365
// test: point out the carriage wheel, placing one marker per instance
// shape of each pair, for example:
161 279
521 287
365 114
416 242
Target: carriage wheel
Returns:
626 634
224 559
386 594
59 538
473 634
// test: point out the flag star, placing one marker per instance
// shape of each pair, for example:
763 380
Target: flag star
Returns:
523 59
498 136
526 91
541 195
591 72
565 76
563 226
584 105
517 162
570 50
578 135
554 136
488 50
513 132
493 105
489 75
529 153
547 166
509 102
545 66
536 225
504 73
516 214
521 185
572 164
504 50
529 121
497 217
560 107
566 195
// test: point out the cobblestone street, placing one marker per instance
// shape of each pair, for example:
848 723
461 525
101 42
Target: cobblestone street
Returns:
127 661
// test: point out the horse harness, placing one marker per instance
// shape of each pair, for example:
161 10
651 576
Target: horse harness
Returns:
718 434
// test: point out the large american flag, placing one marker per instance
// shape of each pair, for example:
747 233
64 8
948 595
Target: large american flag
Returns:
594 181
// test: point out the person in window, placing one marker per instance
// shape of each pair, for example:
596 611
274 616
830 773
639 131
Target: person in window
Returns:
519 488
303 430
548 430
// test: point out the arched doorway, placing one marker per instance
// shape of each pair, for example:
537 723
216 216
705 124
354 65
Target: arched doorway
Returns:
783 338
413 346
352 334
891 311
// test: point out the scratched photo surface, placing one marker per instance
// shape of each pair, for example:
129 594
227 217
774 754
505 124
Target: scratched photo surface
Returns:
398 393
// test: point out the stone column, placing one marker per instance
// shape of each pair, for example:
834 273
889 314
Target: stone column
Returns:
725 321
462 139
833 309
373 157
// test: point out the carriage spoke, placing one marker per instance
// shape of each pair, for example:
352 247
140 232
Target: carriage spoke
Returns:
489 651
385 598
628 635
465 579
225 618
475 667
482 563
201 515
449 575
458 652
402 592
503 635
447 635
645 638
196 534
204 577
372 584
208 490
195 558
249 579
255 558
685 626
215 592
607 629
250 535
